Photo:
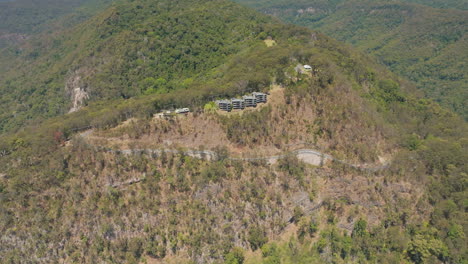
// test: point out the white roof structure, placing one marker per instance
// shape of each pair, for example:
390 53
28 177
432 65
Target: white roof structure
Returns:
182 110
307 67
224 101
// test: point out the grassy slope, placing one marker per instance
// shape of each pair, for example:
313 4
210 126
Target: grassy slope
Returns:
421 43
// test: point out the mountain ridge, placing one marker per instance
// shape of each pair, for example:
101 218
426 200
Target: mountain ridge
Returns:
418 42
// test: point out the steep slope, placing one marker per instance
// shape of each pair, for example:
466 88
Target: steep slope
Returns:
424 44
76 188
132 49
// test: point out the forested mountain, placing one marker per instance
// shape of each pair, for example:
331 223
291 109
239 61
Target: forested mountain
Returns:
123 52
454 4
22 19
423 44
344 164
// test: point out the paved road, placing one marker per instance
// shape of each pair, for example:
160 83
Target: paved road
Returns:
308 156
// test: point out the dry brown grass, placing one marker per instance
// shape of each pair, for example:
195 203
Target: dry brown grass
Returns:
292 120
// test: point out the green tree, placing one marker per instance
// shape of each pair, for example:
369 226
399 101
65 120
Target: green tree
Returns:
257 237
360 228
236 256
422 248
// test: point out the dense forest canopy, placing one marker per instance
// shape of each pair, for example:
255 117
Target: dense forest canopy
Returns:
452 4
132 49
24 19
28 16
455 4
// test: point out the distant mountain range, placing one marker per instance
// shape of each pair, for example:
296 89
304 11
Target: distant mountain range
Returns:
454 4
424 44
23 18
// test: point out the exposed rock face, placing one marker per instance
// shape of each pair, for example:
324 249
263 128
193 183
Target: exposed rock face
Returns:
78 94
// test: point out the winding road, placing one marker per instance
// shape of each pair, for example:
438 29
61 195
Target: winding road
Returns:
308 156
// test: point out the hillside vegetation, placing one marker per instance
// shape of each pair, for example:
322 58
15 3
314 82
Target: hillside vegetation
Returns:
23 19
423 44
455 4
75 189
132 49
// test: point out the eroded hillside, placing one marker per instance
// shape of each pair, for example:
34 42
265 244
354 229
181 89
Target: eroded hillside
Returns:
105 200
121 206
285 123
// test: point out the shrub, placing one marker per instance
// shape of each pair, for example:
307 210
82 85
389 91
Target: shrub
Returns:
236 256
359 228
257 237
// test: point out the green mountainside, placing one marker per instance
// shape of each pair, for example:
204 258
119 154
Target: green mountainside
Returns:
423 44
24 19
89 173
455 4
131 49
